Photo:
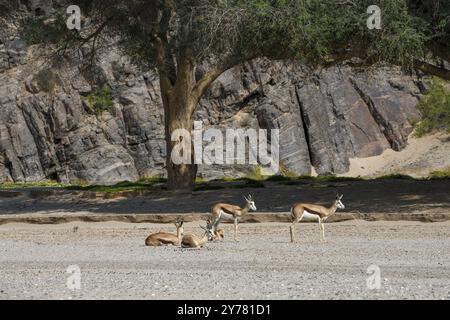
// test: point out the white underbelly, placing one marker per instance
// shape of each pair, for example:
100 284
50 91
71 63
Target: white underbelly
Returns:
307 216
226 216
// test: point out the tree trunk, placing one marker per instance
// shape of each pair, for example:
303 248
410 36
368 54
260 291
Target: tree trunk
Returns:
179 106
180 96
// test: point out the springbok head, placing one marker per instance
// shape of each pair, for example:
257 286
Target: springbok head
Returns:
339 203
209 232
250 202
179 225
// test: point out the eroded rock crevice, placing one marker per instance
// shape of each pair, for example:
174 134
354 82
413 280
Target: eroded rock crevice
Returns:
385 127
305 125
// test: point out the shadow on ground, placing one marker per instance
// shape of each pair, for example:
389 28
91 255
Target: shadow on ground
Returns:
383 196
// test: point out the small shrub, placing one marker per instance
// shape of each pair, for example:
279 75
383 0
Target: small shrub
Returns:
200 180
101 100
435 109
284 171
255 174
227 179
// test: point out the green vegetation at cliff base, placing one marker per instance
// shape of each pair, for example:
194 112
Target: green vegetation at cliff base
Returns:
159 183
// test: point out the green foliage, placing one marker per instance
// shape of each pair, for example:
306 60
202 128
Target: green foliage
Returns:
45 30
157 183
101 100
200 180
285 172
435 109
235 30
227 179
125 186
255 174
401 38
46 80
436 15
29 185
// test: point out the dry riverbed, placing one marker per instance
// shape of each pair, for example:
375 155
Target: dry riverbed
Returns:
413 257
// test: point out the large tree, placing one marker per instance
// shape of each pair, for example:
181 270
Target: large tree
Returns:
177 36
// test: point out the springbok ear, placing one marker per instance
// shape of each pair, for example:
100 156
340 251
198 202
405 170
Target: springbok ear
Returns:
340 198
245 198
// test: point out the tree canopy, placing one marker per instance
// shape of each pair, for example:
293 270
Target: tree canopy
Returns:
157 33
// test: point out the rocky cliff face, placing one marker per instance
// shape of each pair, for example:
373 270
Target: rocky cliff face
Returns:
326 117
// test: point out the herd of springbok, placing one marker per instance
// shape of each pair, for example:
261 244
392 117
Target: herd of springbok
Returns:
224 211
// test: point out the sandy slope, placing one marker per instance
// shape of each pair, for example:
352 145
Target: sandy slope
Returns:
418 159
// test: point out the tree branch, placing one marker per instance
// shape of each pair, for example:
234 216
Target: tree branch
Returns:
205 82
161 60
185 67
96 33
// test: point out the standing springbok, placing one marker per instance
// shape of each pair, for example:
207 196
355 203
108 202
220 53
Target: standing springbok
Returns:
165 238
193 241
314 212
231 212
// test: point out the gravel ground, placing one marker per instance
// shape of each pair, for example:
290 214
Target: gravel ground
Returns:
413 257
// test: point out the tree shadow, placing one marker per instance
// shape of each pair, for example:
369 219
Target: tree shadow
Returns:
381 196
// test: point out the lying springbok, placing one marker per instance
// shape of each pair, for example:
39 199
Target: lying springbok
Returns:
165 238
231 212
193 241
313 212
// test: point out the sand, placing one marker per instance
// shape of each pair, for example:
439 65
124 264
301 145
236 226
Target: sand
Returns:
420 157
412 257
